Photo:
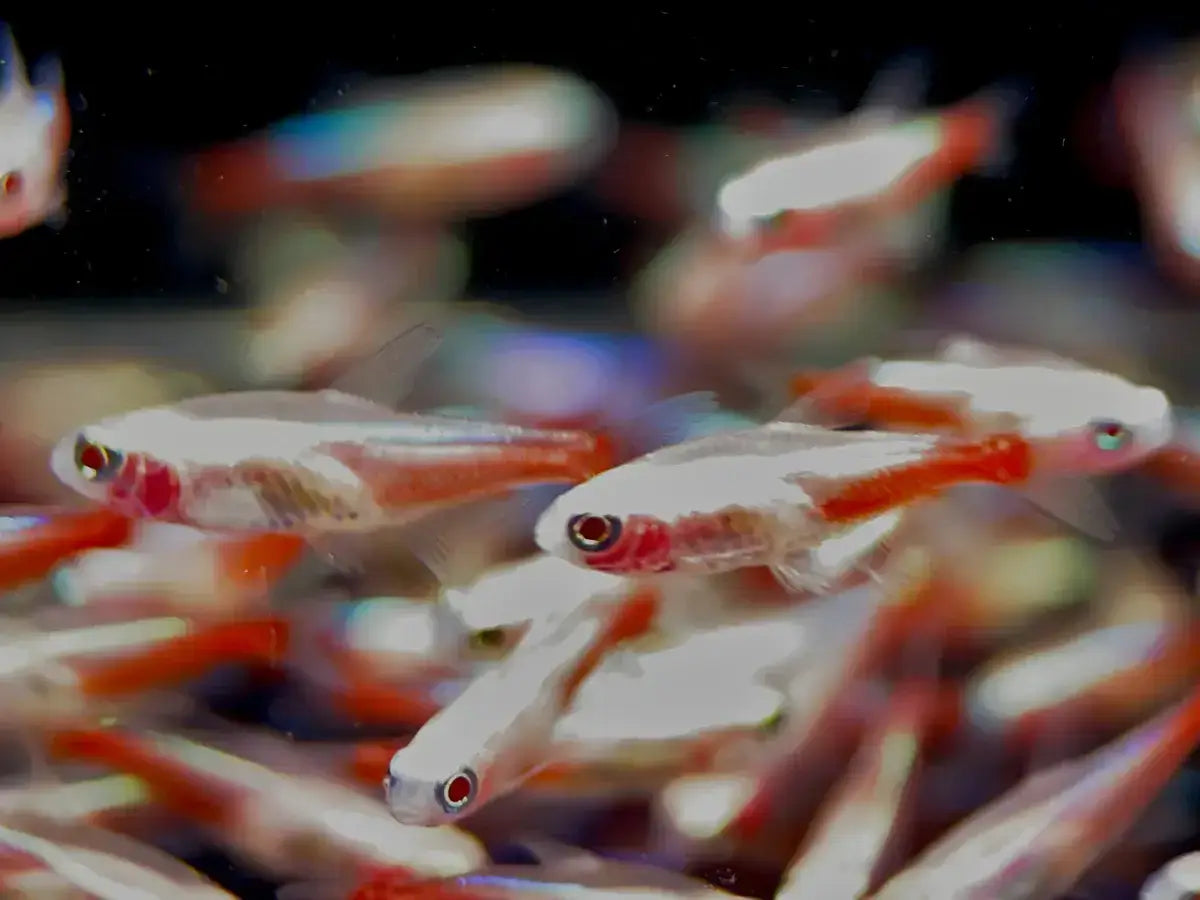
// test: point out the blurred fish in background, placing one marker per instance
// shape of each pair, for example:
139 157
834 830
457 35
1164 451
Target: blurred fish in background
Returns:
674 240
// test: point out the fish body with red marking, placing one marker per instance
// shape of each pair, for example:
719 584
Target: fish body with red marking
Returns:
35 122
309 462
808 502
500 729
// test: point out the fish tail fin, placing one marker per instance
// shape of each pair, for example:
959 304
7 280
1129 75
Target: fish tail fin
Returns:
171 783
263 641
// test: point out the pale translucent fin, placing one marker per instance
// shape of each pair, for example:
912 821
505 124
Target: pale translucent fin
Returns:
797 577
47 74
668 422
967 350
829 405
343 552
443 544
389 374
1008 100
1075 502
12 65
899 86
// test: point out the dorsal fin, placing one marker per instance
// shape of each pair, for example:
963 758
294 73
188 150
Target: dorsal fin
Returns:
388 375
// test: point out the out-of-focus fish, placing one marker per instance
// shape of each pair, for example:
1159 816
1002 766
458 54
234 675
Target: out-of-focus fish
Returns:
861 823
55 676
194 574
1177 880
566 873
1096 421
80 861
299 825
875 170
810 503
704 294
499 729
36 123
1138 649
453 144
853 633
1155 102
1040 837
33 540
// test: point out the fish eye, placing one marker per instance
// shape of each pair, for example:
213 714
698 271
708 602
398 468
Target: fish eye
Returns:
95 462
1110 435
457 791
773 222
592 533
488 638
11 183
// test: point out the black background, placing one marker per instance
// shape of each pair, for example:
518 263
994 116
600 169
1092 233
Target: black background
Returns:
145 91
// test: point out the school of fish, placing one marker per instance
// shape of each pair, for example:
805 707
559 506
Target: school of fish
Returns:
887 629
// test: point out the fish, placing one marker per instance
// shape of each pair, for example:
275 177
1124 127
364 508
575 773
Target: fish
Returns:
323 464
200 574
860 823
455 143
810 503
851 635
1088 421
872 169
295 823
1038 839
36 123
1179 879
78 860
498 730
616 731
51 677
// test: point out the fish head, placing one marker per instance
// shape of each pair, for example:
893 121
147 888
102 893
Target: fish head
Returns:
622 521
419 794
35 121
1096 423
98 461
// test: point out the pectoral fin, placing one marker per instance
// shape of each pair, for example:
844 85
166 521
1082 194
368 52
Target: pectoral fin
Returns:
1075 502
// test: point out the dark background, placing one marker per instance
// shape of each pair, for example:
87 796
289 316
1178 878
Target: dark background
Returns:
148 90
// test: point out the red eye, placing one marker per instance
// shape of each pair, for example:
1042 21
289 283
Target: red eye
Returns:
592 533
10 183
94 460
458 791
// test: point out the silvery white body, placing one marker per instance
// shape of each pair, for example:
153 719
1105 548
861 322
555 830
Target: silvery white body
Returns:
762 473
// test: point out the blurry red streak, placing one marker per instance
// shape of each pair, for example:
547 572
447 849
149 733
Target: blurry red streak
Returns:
31 552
